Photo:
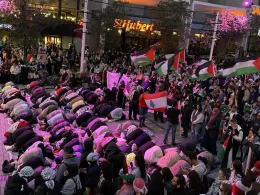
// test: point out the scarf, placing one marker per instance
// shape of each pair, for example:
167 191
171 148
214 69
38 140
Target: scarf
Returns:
213 116
195 115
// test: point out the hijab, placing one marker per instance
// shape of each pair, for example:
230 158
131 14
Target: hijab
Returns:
213 116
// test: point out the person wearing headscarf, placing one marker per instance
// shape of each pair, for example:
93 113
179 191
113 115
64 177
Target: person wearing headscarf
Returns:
17 183
139 186
49 185
211 132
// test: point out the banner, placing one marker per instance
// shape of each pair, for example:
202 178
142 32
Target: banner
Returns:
42 55
112 78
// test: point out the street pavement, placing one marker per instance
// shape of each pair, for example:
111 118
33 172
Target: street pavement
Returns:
156 127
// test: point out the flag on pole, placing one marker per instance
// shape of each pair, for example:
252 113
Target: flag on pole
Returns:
206 70
144 57
175 59
248 66
156 101
162 70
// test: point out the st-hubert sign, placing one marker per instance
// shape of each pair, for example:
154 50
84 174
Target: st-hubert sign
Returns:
133 25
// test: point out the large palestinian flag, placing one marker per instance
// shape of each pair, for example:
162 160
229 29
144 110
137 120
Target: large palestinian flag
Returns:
144 57
248 66
156 101
206 70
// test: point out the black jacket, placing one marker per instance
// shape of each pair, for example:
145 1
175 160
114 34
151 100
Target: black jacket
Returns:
214 127
116 157
16 185
88 148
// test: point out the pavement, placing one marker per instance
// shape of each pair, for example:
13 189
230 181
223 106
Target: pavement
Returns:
157 128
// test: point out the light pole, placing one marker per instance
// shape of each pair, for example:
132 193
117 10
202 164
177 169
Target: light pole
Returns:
214 37
84 32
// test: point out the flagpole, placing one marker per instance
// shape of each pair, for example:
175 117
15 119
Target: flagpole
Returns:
84 32
214 37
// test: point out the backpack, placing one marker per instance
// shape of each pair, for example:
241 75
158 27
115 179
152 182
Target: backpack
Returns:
77 191
55 191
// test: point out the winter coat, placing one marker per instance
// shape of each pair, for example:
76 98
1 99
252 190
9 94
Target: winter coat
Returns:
16 185
116 157
53 113
145 147
177 166
142 139
70 186
153 154
62 167
169 159
32 152
88 148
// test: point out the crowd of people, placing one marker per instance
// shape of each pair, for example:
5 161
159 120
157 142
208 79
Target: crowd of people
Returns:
62 141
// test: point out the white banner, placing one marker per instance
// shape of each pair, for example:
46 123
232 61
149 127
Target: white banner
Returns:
112 78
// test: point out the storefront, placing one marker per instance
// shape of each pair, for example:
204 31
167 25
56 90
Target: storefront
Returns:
136 32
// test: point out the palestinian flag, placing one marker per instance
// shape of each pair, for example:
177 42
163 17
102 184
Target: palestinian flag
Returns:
144 57
206 70
161 68
175 60
156 101
248 66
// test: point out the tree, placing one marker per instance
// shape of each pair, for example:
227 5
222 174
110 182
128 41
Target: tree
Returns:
27 25
105 31
230 32
173 21
7 7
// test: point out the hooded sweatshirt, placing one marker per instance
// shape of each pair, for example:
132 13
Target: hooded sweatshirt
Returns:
116 157
62 168
16 185
88 148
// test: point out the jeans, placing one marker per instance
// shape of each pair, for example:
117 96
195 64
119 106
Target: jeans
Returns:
196 132
142 114
170 126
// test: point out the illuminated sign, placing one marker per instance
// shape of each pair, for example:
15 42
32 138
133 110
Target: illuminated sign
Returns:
133 25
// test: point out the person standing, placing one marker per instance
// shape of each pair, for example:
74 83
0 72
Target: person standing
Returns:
142 109
15 71
133 103
172 122
234 140
211 132
197 118
186 114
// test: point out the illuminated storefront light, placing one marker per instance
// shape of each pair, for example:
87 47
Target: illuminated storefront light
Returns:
133 25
